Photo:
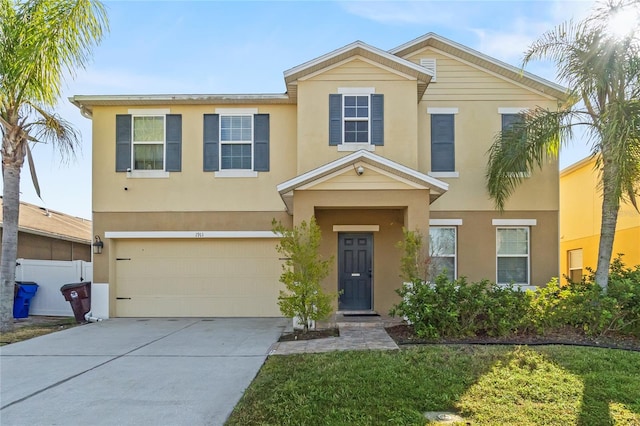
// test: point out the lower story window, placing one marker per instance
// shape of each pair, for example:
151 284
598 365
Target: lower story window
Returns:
442 251
512 255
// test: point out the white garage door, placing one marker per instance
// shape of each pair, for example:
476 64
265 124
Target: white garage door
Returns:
201 278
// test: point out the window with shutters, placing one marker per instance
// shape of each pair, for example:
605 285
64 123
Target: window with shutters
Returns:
356 119
148 143
442 122
236 142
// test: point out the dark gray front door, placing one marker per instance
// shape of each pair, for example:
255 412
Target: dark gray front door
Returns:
355 271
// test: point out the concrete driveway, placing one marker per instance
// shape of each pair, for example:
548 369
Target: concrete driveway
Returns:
134 372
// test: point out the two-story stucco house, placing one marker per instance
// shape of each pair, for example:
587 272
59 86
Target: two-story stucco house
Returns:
368 141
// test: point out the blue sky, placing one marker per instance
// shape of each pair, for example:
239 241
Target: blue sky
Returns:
244 47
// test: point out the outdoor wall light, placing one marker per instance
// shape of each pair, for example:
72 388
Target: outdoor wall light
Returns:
97 246
360 171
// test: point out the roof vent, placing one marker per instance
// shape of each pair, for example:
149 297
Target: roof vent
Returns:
430 65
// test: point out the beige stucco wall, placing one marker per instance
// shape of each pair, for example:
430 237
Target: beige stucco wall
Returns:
192 189
400 113
477 243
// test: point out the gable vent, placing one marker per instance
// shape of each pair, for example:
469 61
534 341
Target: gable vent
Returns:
429 64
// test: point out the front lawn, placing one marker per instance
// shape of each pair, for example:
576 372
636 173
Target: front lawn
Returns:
488 385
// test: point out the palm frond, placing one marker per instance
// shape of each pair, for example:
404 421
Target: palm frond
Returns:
516 152
52 128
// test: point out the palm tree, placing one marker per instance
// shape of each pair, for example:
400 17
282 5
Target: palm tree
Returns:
599 60
41 41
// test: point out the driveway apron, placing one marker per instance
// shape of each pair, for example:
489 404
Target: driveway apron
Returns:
164 371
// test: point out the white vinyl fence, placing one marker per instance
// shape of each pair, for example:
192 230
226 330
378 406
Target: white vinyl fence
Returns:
50 275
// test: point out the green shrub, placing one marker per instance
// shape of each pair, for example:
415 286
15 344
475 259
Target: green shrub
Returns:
303 270
460 309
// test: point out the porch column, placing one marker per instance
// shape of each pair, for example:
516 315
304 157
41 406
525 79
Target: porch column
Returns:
303 208
416 215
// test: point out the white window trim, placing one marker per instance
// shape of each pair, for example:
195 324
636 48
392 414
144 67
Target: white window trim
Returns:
442 110
514 222
236 173
356 228
512 110
515 255
445 222
444 174
142 172
147 174
455 252
356 90
355 146
142 111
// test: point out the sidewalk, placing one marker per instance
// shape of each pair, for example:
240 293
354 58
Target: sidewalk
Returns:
355 335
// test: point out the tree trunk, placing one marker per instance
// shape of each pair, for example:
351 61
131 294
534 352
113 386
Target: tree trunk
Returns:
10 211
610 207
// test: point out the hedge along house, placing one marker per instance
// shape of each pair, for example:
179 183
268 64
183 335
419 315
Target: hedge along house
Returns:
366 140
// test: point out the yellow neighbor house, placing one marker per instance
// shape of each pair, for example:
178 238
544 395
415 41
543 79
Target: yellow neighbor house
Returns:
580 220
366 140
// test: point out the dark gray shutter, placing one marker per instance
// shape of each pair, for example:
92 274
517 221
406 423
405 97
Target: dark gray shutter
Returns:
173 159
123 143
442 143
261 142
211 140
377 120
335 119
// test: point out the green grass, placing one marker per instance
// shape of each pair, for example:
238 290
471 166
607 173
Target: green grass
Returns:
26 332
488 385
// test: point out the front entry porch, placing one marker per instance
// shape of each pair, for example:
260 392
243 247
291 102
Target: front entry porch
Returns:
361 203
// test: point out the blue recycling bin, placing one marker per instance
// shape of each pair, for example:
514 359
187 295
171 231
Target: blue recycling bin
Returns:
24 292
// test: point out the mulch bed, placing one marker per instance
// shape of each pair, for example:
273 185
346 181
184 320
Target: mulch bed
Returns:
309 335
404 335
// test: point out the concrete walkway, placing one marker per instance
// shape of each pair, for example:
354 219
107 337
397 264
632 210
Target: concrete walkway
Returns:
354 335
162 371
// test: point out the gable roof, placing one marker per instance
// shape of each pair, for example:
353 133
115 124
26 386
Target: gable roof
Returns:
436 186
49 223
484 61
355 49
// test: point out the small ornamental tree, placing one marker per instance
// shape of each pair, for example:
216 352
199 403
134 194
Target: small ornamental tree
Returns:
303 270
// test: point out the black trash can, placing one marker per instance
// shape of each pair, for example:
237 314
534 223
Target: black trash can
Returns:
79 295
22 295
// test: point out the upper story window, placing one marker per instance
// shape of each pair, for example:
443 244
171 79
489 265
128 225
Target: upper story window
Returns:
511 121
356 119
443 162
236 142
148 143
